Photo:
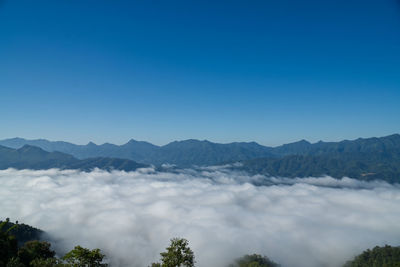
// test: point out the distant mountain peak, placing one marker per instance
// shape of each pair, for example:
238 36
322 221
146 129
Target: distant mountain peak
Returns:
30 148
132 141
396 135
301 142
16 139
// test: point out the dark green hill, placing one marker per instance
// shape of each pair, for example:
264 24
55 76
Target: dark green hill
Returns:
22 232
30 157
386 256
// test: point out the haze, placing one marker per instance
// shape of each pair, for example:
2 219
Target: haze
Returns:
131 216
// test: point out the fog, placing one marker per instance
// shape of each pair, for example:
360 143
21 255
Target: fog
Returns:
224 214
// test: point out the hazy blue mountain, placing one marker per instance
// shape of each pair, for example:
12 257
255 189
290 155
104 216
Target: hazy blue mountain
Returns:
195 152
378 165
360 145
42 143
31 157
300 147
182 153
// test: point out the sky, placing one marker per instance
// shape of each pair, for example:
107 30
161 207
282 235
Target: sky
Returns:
266 71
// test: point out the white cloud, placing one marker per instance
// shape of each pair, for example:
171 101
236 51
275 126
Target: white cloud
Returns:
131 216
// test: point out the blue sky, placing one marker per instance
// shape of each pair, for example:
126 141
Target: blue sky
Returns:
267 71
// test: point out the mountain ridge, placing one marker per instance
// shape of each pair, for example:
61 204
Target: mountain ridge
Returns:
144 152
190 152
31 157
362 158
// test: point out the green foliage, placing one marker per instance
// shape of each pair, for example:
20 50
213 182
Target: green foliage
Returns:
15 262
386 256
35 250
177 254
22 232
8 244
83 257
254 260
38 253
50 262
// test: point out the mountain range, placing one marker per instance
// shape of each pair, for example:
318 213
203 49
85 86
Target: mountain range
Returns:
31 157
181 153
363 158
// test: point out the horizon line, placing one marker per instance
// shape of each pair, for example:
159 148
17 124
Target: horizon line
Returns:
193 139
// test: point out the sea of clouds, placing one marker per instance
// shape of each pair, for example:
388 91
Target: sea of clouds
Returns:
224 214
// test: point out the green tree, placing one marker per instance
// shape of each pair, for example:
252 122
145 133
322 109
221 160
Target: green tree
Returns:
83 257
178 254
386 256
254 260
50 262
35 250
8 244
15 262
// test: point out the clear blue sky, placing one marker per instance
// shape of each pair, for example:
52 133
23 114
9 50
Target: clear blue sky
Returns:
265 71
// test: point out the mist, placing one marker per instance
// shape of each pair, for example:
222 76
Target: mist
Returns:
131 216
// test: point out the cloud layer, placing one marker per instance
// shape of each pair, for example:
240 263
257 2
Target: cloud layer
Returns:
131 216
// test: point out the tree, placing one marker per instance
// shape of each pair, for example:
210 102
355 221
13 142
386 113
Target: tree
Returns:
83 257
178 254
35 250
50 262
386 256
38 253
8 244
15 262
254 260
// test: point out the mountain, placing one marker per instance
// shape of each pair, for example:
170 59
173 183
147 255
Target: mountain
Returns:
378 165
31 157
182 153
360 145
195 152
363 158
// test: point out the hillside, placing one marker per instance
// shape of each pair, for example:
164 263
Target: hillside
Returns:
360 145
22 232
30 157
383 165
